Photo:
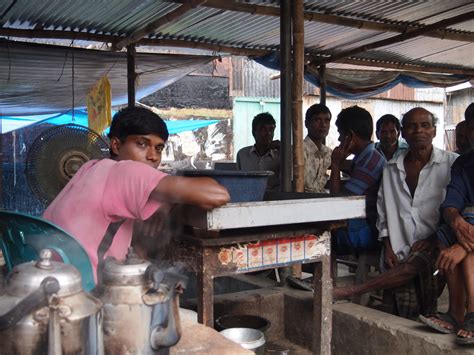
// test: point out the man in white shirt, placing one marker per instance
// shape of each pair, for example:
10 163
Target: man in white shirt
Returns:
265 153
317 156
412 189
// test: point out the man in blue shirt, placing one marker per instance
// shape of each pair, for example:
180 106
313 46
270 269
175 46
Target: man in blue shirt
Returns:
355 127
456 260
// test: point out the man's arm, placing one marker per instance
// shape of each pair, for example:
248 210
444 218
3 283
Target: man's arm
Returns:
202 192
463 229
390 258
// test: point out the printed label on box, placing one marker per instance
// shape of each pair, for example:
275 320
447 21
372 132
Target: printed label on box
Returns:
269 252
284 250
239 257
297 248
255 254
311 246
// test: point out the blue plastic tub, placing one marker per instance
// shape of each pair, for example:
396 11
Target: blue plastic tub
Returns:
243 186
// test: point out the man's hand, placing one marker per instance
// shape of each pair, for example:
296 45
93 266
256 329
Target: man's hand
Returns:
342 151
450 257
276 144
390 258
422 244
464 233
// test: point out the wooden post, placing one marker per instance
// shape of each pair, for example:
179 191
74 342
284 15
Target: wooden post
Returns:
131 75
322 84
297 103
297 95
285 100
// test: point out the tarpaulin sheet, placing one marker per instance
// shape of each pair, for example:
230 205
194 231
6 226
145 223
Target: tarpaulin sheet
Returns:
41 79
361 84
80 117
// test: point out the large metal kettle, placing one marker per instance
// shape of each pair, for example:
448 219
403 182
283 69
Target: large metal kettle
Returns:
44 310
141 306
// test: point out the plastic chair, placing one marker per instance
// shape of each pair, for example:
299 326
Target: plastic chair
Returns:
23 236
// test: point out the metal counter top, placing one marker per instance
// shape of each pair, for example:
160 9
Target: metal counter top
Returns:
273 213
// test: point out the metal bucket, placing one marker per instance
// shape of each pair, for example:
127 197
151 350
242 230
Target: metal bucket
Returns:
248 338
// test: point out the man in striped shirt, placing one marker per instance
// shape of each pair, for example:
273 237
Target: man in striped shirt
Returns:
355 127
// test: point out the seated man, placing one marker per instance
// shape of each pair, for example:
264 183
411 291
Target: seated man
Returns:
388 132
101 202
355 128
265 153
413 186
317 156
456 260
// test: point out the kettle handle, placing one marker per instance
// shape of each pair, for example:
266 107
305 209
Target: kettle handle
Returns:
35 300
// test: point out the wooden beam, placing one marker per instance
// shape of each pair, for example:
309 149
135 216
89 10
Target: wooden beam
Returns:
8 32
131 75
400 38
263 10
154 25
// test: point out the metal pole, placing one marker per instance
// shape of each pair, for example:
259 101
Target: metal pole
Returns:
285 107
131 75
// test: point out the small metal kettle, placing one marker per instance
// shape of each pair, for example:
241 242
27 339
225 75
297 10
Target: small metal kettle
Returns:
141 306
44 310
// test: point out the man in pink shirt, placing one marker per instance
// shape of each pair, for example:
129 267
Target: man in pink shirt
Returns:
100 203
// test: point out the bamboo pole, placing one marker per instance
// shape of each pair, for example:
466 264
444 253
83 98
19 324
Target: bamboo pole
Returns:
264 10
322 84
297 104
131 75
297 95
285 106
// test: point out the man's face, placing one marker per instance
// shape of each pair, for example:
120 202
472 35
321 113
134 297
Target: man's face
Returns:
263 134
388 134
418 130
470 129
462 137
143 148
318 126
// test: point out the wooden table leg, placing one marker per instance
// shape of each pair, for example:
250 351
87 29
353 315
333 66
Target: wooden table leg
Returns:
205 285
322 307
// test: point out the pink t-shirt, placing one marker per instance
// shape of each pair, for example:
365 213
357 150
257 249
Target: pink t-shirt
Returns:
102 192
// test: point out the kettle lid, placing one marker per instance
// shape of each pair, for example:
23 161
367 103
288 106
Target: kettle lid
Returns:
131 271
27 277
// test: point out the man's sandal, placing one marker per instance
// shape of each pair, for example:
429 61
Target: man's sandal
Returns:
467 325
445 317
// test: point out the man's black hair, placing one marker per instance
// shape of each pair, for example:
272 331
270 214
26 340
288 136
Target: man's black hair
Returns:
262 119
358 120
434 119
469 113
137 121
388 118
314 110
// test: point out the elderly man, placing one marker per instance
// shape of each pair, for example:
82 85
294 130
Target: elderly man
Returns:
388 132
412 189
317 156
456 260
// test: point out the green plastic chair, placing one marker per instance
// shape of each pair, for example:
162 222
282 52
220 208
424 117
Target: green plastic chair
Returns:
23 236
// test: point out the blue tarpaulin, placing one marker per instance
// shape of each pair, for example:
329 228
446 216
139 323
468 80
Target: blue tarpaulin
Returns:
80 117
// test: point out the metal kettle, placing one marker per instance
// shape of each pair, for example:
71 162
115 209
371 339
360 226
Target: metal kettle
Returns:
44 310
141 306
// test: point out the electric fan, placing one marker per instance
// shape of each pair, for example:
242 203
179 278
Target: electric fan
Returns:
57 154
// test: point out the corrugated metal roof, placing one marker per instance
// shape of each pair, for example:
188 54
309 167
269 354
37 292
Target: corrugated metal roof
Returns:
214 26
